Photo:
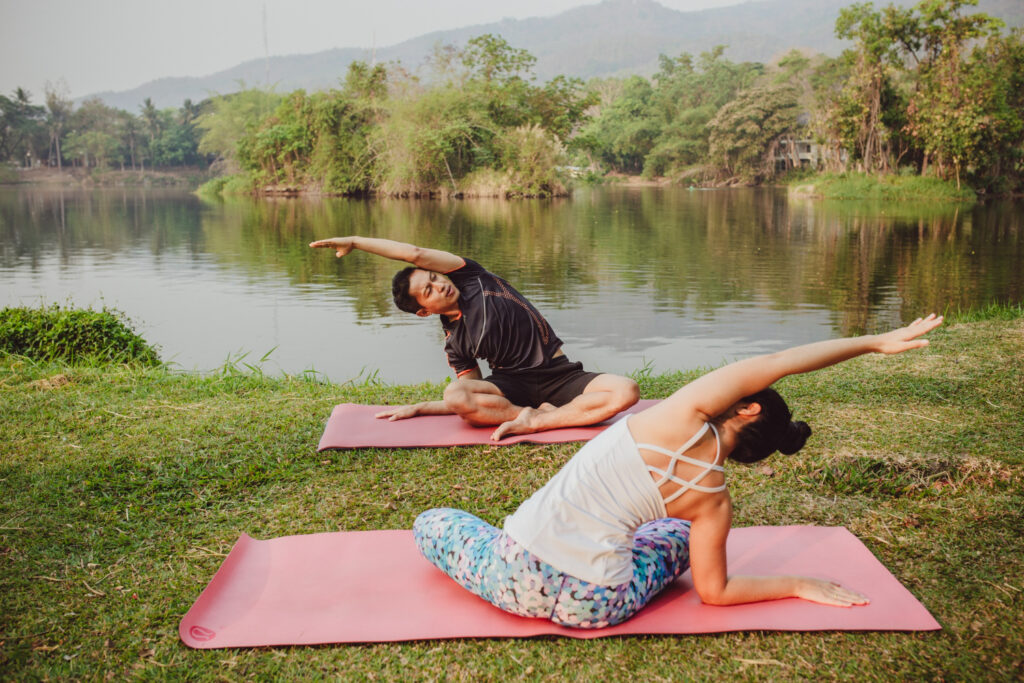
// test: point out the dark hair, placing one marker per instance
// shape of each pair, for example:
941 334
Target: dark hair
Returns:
772 431
400 291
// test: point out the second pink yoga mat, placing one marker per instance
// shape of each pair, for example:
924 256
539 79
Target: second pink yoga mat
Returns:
374 586
354 426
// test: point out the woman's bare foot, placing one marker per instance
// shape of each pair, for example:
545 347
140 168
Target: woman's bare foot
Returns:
523 424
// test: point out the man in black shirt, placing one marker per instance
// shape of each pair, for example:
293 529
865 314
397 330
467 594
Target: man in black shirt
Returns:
532 386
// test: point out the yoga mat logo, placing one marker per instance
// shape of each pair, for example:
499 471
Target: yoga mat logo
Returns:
201 633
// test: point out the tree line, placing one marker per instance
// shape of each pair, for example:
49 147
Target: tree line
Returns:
927 89
923 90
94 135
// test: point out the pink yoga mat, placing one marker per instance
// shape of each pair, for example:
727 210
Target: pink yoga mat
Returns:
354 426
374 586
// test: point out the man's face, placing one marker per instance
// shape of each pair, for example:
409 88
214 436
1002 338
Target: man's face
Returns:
434 292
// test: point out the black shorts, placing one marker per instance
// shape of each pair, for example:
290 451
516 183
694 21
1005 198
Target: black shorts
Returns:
556 383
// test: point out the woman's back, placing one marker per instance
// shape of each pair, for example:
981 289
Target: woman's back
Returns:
686 475
582 521
584 518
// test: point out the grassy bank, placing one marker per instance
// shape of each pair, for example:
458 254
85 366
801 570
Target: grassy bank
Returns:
184 177
124 486
481 184
879 187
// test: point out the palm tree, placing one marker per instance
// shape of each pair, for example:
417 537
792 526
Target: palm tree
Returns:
58 110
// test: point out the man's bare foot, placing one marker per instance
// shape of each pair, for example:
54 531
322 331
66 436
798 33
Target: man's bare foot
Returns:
523 424
546 407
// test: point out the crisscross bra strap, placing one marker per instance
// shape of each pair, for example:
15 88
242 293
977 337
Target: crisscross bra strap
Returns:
676 456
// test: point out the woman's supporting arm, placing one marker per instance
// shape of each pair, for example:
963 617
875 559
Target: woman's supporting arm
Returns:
714 585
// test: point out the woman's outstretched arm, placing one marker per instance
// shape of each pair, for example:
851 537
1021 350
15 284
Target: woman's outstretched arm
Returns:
715 392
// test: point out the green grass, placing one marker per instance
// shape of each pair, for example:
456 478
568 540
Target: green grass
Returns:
880 187
73 335
994 311
221 186
123 486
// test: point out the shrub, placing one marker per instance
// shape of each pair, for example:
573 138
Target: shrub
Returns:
238 184
73 336
532 158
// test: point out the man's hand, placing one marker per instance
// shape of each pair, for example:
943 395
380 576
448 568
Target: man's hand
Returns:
341 245
400 412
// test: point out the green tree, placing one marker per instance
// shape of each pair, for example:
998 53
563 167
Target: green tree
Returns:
228 119
151 119
500 75
929 83
434 137
532 155
953 104
131 133
624 133
490 59
323 139
92 148
997 74
93 138
660 128
387 131
58 111
742 133
686 98
21 124
177 140
860 113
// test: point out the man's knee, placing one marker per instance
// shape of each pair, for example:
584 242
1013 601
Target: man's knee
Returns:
624 392
459 398
462 400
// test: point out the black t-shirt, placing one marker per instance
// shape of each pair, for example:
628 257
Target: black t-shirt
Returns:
497 324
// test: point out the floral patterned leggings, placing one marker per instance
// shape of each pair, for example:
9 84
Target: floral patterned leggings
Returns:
488 563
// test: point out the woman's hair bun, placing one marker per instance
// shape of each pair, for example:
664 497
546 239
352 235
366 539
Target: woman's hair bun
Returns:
794 437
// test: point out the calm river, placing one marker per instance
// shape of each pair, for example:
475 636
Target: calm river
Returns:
628 277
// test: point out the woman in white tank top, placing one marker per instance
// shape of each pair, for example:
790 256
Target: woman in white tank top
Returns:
647 499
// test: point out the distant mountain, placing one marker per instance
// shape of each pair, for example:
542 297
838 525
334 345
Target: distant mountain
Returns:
611 38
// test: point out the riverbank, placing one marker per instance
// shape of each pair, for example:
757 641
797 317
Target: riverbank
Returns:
125 486
481 184
188 178
879 187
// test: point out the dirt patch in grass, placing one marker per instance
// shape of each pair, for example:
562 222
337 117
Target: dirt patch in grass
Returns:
49 383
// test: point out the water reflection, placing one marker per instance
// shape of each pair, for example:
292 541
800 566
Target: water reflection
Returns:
627 276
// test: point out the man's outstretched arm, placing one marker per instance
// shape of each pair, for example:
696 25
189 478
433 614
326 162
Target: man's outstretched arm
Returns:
421 257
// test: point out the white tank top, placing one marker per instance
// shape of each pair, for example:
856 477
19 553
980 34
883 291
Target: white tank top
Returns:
583 520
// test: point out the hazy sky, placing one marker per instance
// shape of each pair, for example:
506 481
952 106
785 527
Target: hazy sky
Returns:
97 45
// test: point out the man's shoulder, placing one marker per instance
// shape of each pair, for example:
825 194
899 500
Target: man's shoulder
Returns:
468 273
469 266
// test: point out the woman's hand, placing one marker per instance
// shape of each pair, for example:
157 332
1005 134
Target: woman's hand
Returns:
828 593
341 245
906 338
